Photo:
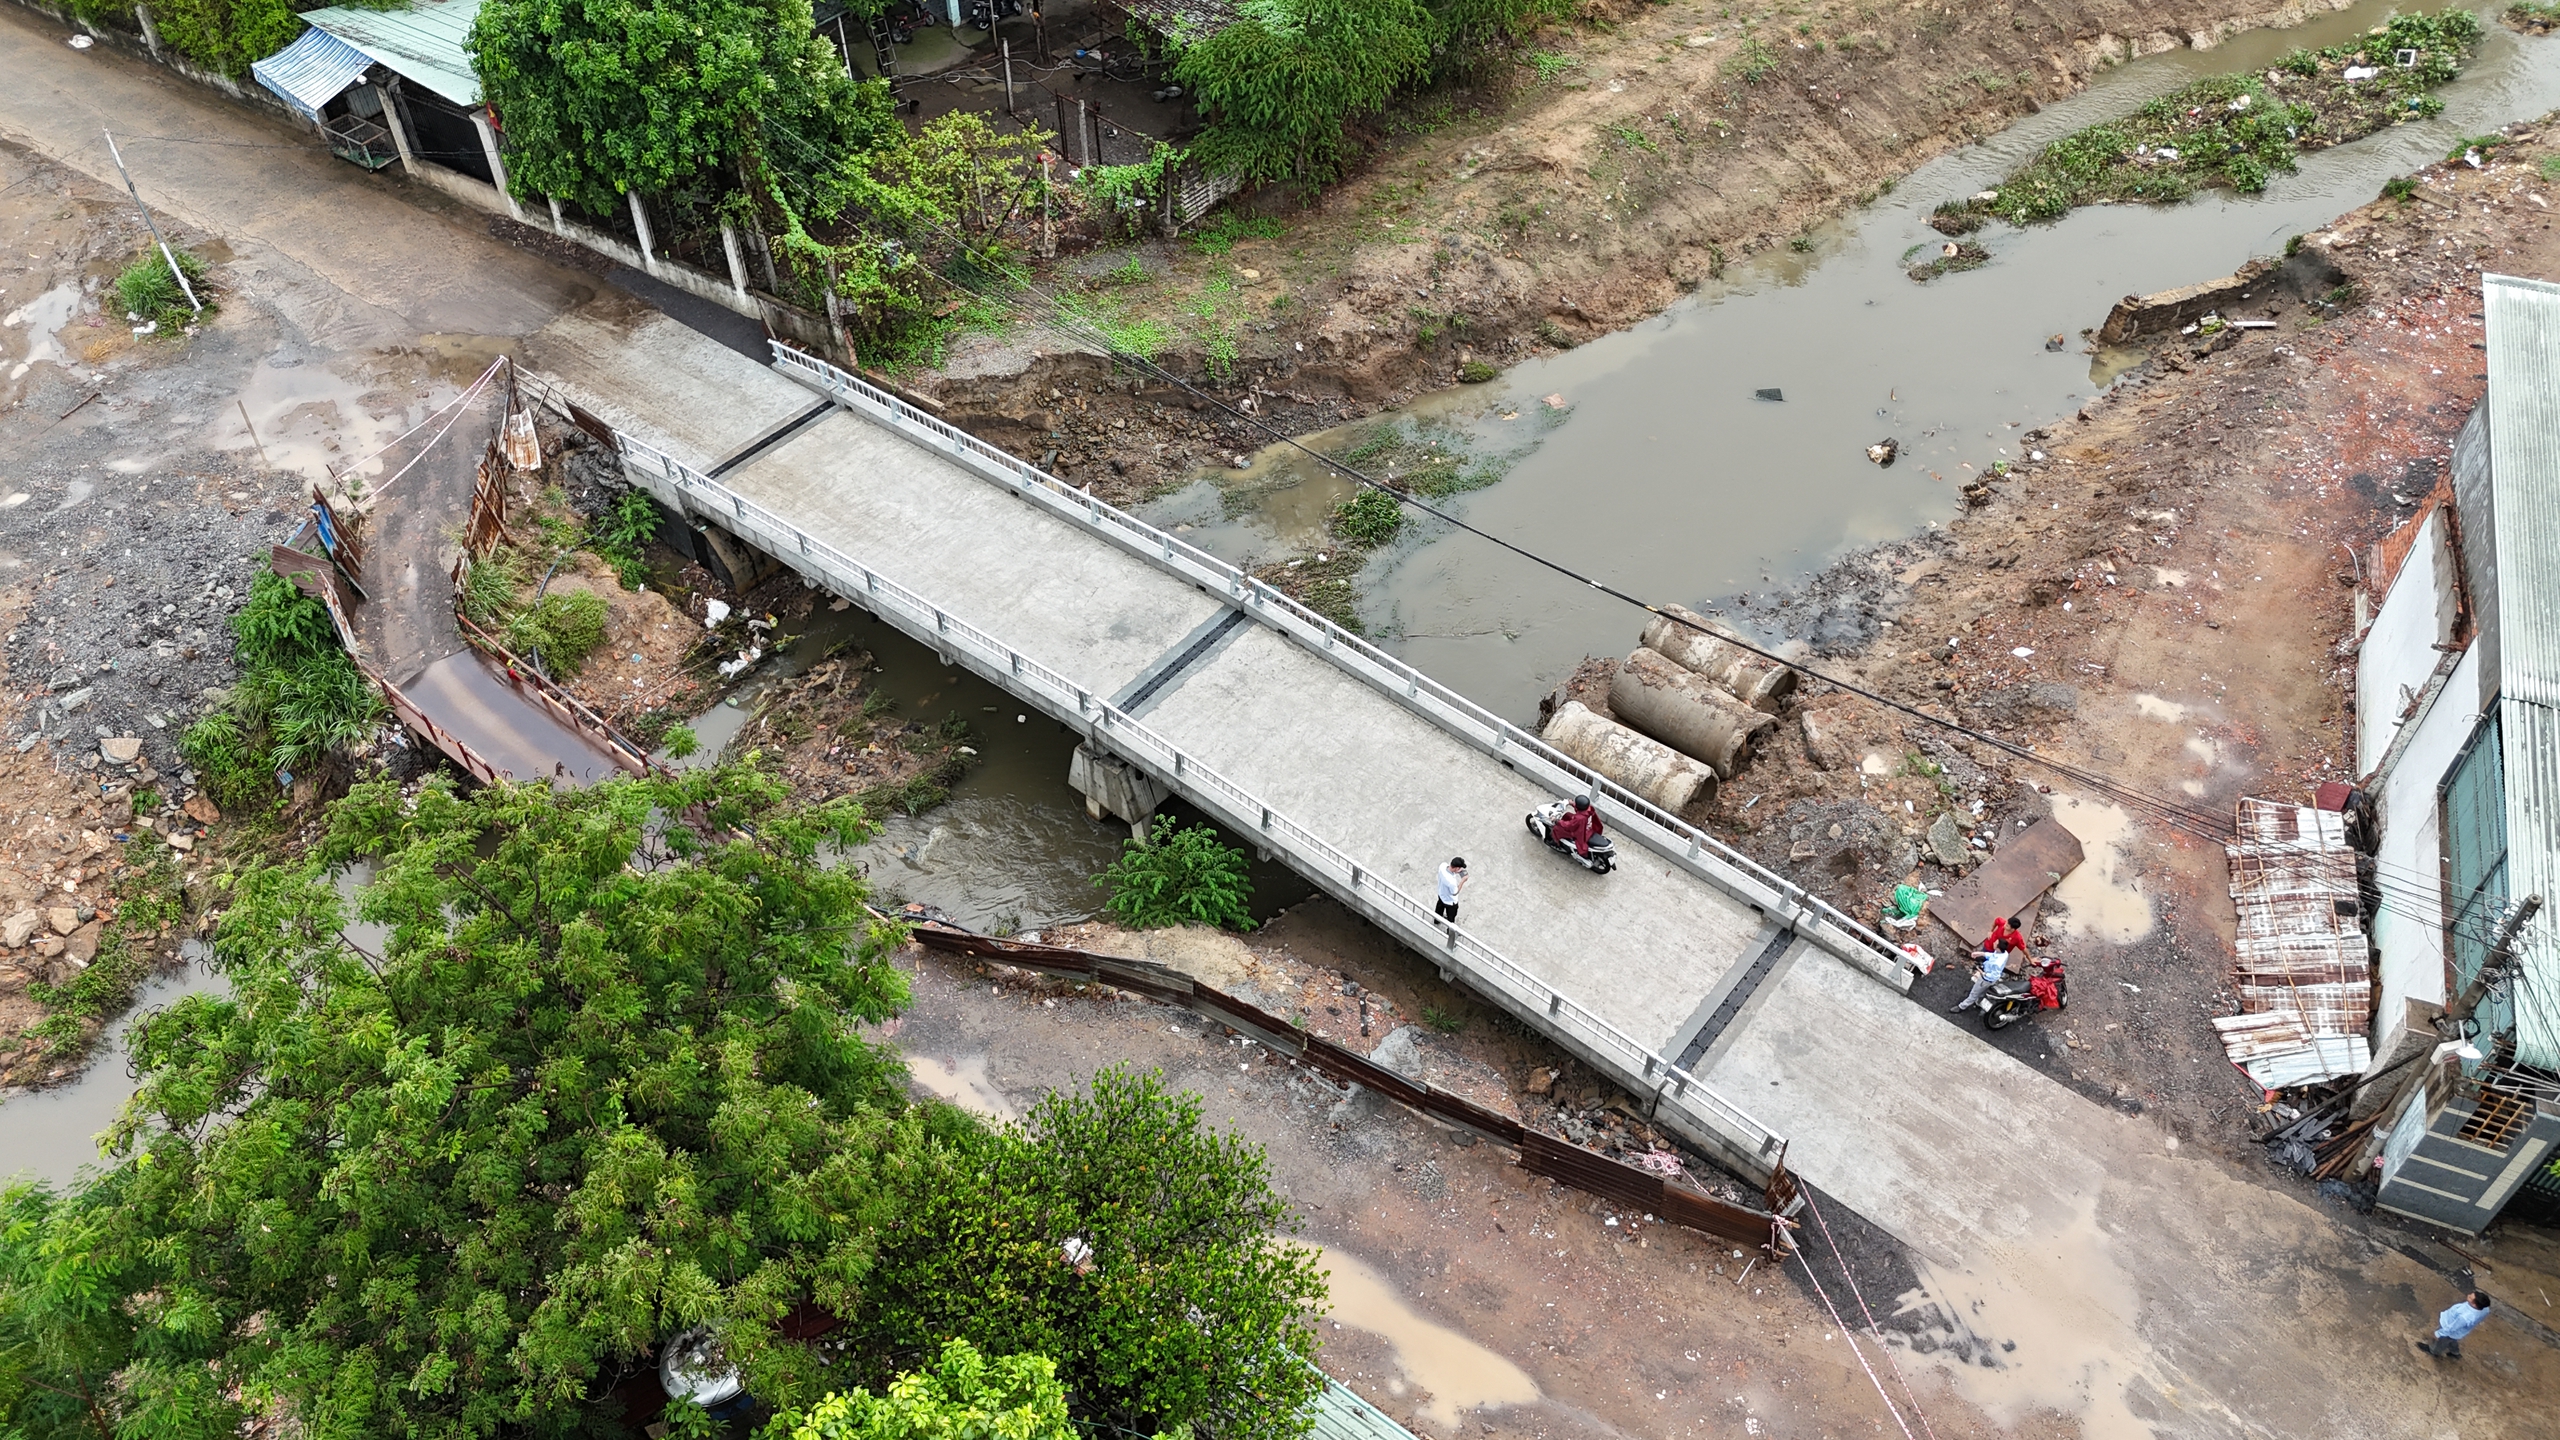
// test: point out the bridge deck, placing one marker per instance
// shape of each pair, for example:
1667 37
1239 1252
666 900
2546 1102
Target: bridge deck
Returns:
1649 973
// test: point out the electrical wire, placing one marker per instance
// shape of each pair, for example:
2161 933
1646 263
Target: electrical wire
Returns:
2194 820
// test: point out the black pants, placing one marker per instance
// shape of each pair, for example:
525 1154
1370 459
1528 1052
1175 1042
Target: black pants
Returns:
1446 910
2445 1347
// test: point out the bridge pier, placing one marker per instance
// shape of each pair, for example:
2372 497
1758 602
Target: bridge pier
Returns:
1113 786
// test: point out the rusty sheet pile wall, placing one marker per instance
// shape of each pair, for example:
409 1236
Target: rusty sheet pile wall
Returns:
2304 972
1540 1153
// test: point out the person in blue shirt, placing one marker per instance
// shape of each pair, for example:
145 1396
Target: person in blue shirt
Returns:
2453 1324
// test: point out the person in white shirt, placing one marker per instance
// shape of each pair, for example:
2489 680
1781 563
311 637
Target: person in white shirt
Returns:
1453 878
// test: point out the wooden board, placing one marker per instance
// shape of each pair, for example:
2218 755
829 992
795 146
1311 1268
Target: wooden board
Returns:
2025 868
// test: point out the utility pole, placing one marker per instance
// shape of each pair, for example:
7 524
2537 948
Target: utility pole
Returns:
2494 966
183 287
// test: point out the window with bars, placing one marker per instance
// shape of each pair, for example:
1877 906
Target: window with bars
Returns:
2497 1119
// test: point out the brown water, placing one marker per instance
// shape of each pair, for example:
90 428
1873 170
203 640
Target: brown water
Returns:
1667 478
1455 1372
468 696
52 1135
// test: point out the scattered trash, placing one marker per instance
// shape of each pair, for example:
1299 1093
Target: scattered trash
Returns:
80 42
1770 394
2354 73
1553 402
2055 343
2129 985
1883 451
2022 652
714 612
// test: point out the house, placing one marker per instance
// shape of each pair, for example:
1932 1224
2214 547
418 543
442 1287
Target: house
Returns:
2458 741
397 84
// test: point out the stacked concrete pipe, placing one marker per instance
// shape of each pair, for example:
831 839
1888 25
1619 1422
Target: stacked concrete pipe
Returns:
1690 639
1685 710
1648 767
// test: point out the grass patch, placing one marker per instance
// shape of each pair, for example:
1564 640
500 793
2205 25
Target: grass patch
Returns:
1220 232
148 900
1549 65
1635 139
1406 456
560 630
151 296
1370 518
1753 61
1966 256
1476 372
2234 132
2534 17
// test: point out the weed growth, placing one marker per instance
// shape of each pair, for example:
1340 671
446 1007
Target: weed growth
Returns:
559 631
1368 519
1179 875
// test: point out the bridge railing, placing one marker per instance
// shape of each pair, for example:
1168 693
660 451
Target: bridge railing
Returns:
1667 834
1678 1095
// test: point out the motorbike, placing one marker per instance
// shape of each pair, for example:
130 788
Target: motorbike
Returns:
2013 997
1542 822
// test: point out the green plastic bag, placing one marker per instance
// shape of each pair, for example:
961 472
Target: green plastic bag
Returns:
1909 901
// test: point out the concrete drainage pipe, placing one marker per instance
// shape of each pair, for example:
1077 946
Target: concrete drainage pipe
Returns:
1756 682
1648 767
1685 710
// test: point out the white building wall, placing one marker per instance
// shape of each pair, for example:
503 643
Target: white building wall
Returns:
2408 934
2398 652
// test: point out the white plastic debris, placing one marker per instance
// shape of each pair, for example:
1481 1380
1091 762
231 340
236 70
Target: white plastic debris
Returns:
2022 652
2359 72
713 612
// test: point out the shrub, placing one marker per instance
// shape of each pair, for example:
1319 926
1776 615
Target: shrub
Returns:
150 294
1179 876
620 534
1368 519
233 771
680 740
1476 372
559 630
964 1397
299 698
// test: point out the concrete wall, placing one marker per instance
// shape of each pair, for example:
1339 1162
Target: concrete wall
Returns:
2397 654
2430 1173
2408 933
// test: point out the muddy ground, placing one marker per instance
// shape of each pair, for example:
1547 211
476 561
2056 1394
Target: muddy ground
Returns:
1469 1297
1575 183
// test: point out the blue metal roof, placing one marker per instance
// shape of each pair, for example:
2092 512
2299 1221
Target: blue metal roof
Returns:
310 72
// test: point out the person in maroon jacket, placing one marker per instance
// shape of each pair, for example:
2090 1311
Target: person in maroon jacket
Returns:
1578 826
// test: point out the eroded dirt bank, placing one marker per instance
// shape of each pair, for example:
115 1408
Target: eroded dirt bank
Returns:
1582 183
2166 596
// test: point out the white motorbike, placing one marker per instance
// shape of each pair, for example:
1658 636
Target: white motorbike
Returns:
1603 856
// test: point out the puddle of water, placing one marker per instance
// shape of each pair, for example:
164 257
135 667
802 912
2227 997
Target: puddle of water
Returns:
964 1083
2074 1343
51 1135
2096 904
44 315
1456 1372
462 693
1669 479
304 417
2152 707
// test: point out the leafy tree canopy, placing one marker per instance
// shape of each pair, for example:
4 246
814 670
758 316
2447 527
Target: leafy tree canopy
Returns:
965 1396
1115 1233
603 97
1179 875
601 1081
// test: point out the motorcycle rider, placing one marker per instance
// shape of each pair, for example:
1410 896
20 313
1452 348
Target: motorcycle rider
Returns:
1578 826
1989 966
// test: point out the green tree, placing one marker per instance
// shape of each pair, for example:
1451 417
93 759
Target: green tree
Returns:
599 98
1116 1233
1179 876
965 1396
602 1081
1279 85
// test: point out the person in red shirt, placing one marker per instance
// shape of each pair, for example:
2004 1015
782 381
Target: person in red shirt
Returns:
1578 825
2006 930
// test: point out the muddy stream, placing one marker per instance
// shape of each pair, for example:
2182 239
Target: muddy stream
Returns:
1661 473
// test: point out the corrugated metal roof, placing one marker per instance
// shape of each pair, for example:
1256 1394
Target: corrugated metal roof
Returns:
423 43
310 72
2304 975
2524 464
1340 1414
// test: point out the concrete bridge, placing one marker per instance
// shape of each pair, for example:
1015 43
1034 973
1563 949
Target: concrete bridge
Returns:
1188 677
1757 1019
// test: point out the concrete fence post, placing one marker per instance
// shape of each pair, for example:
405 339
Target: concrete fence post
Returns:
394 122
150 32
497 166
737 262
559 220
640 227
